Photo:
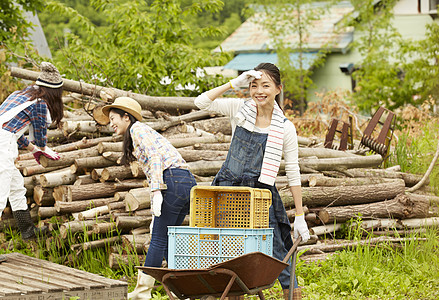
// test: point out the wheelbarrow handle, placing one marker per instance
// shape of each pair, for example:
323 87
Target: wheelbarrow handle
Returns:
293 249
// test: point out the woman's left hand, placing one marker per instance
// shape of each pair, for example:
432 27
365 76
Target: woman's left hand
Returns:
300 227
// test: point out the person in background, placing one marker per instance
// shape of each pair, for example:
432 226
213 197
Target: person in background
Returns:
32 108
261 134
168 175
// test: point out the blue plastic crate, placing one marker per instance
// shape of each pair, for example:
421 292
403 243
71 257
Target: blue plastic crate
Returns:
201 247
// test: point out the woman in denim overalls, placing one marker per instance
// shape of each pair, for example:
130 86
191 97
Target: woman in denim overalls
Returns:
261 134
169 179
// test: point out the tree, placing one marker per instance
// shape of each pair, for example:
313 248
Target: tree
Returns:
147 46
284 19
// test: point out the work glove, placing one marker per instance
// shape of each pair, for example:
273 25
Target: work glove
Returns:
245 78
157 200
47 152
301 228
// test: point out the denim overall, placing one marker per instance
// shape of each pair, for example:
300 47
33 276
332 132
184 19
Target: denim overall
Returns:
242 168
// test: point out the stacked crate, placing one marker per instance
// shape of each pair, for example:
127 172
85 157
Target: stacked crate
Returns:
225 222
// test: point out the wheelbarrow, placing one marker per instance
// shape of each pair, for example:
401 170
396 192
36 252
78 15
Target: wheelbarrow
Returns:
246 274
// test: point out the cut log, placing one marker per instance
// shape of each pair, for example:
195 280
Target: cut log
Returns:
120 261
96 174
214 125
136 169
324 153
205 168
93 212
92 191
214 147
92 162
330 181
68 158
47 212
434 200
116 205
43 196
329 164
147 102
120 196
130 222
75 226
401 207
102 243
137 199
346 195
108 146
183 142
38 169
53 179
409 179
324 229
85 126
83 180
116 172
136 243
207 155
79 206
419 223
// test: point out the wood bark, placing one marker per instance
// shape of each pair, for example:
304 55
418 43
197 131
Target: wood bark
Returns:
104 227
108 146
116 172
401 207
53 179
330 181
214 147
68 158
137 199
327 164
136 243
409 179
183 142
434 200
92 162
43 196
147 102
47 212
347 195
324 153
78 206
129 222
85 126
207 155
75 226
214 125
102 243
116 261
205 168
93 212
420 222
38 169
91 191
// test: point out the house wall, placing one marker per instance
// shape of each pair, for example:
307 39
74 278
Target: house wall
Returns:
408 21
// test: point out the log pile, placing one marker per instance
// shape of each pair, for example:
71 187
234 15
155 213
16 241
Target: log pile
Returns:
87 191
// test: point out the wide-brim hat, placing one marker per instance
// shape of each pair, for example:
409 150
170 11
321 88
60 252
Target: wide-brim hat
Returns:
126 104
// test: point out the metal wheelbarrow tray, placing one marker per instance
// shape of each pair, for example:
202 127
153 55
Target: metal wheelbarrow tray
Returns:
246 274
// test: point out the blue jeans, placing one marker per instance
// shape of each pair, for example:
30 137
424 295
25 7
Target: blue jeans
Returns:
176 202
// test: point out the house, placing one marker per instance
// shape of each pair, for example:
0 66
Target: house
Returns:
251 44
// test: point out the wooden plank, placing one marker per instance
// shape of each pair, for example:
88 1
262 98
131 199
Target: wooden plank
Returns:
11 273
16 285
75 282
39 263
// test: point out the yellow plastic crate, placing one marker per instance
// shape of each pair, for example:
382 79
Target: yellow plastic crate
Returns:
229 207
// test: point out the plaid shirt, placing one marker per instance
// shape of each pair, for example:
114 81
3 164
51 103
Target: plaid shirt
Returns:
155 153
35 114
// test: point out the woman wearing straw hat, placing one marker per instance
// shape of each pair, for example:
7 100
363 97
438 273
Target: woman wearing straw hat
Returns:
168 175
32 108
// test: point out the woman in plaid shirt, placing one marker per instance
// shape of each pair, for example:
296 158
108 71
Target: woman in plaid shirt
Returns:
168 175
31 108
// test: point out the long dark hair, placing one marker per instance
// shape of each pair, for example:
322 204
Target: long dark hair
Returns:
53 99
128 147
273 72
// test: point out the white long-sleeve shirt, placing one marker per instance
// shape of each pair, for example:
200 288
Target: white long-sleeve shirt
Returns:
231 106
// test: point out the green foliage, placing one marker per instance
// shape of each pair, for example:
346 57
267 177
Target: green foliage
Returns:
144 43
376 272
281 19
13 24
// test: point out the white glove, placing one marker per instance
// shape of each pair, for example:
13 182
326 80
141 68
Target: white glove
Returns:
49 153
151 225
245 78
157 200
300 227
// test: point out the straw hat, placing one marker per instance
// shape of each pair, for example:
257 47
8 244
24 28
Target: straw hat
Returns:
49 76
126 104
